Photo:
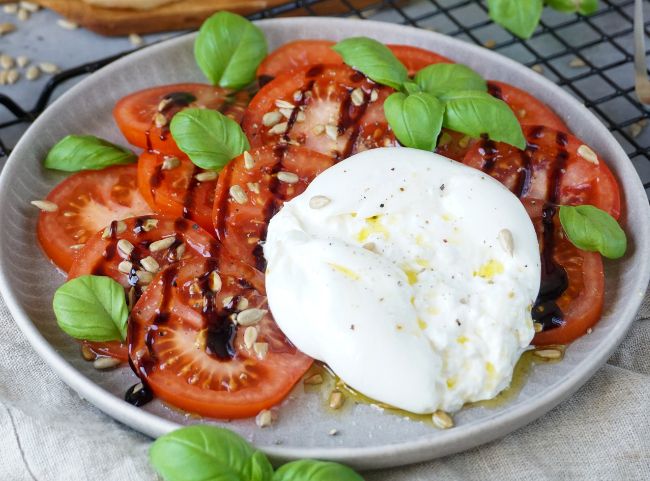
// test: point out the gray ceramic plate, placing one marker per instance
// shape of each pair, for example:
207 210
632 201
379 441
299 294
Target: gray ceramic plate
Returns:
367 436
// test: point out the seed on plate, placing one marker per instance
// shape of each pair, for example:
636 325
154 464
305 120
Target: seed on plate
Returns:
105 363
180 251
87 354
215 281
548 353
271 118
23 14
250 336
506 241
318 129
242 304
135 39
250 317
286 112
261 349
538 327
125 267
49 67
586 153
442 420
45 205
225 302
278 129
149 225
357 97
67 24
125 247
207 176
336 399
170 162
32 73
253 187
319 201
313 380
264 418
10 8
144 277
577 62
249 161
283 104
374 95
12 76
162 244
288 177
238 194
120 226
332 131
6 28
22 61
30 6
150 264
6 61
160 120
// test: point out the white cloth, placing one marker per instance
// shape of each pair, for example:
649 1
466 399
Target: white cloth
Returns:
47 433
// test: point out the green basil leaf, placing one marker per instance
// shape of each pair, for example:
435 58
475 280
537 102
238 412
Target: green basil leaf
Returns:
208 453
585 7
228 49
520 17
92 308
209 138
592 229
374 60
475 113
416 119
86 152
310 470
411 87
441 78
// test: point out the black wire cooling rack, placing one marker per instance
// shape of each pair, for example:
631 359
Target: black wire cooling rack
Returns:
591 57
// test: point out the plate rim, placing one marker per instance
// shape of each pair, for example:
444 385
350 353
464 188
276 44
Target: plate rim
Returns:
489 428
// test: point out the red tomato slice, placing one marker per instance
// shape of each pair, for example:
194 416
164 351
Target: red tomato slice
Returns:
144 116
241 223
528 109
187 348
555 167
331 109
173 186
454 145
301 53
573 282
87 201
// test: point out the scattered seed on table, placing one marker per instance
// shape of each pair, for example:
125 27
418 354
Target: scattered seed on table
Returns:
136 40
23 15
49 67
6 28
6 61
22 61
577 62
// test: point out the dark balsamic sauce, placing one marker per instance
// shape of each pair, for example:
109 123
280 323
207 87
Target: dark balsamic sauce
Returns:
262 80
350 116
139 394
494 90
188 200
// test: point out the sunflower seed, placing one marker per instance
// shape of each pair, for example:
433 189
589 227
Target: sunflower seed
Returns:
87 354
125 267
238 194
548 353
23 14
357 97
125 247
22 61
149 225
144 277
332 131
249 161
49 67
319 201
283 104
250 336
506 240
6 61
253 187
150 264
637 127
135 39
30 6
318 129
538 327
490 43
160 120
264 418
538 68
6 28
261 349
271 118
333 432
170 163
589 155
32 73
577 62
67 24
180 251
45 205
288 177
215 281
10 8
442 420
250 317
374 95
3 77
336 399
12 76
207 176
278 129
286 112
225 302
162 244
106 363
242 304
313 380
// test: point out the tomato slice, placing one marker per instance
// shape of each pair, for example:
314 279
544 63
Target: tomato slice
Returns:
555 167
144 116
301 53
331 109
573 282
241 223
87 201
174 186
528 109
454 145
187 348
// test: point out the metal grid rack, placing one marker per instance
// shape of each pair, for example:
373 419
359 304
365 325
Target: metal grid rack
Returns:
591 57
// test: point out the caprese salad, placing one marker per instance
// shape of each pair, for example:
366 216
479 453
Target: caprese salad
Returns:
378 208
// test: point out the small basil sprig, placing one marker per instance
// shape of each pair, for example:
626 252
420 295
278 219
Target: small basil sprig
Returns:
374 59
592 229
92 308
584 7
521 17
416 119
201 453
209 138
228 49
86 152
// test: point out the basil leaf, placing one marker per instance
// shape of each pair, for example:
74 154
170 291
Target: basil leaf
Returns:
585 7
310 470
411 87
416 119
209 138
518 16
228 49
86 152
208 453
441 78
475 113
373 59
92 308
592 229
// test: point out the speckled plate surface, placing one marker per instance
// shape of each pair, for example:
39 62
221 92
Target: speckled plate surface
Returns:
367 436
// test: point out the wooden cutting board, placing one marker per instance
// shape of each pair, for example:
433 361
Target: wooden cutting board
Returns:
180 15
